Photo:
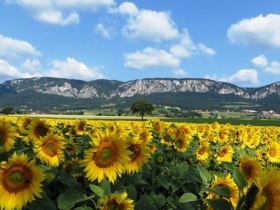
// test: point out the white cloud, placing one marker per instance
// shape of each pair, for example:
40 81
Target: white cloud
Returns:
31 66
186 47
147 24
243 76
101 29
57 18
261 31
260 61
57 11
15 47
180 72
150 57
205 50
273 68
9 71
71 68
128 8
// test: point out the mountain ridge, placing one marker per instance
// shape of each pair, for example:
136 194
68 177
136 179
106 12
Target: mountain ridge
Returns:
103 90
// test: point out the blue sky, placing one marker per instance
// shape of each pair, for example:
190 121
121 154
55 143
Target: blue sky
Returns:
235 41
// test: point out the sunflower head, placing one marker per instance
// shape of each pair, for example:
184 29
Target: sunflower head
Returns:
20 182
117 201
50 150
6 136
38 129
250 168
269 190
108 157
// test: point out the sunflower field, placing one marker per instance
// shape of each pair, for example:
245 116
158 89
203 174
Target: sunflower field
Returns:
120 165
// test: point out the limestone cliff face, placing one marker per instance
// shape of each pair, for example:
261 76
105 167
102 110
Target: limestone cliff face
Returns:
112 88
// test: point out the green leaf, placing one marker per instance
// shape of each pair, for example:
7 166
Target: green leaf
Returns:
105 185
83 208
204 174
68 180
170 200
97 190
132 192
69 198
222 191
163 181
219 204
239 179
158 200
187 197
43 203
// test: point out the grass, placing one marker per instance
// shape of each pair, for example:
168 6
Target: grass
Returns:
233 121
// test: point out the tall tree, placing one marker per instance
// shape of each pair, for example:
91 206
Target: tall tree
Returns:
7 110
142 107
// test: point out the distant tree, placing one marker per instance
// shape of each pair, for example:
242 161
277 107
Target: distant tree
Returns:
7 110
142 107
120 112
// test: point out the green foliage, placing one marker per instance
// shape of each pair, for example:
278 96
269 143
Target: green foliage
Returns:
7 110
142 107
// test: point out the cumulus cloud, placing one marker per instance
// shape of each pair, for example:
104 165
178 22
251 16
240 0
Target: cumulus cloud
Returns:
186 47
8 71
57 11
57 18
159 57
260 61
150 57
71 68
147 24
128 8
15 47
261 31
243 76
273 68
101 29
32 66
180 72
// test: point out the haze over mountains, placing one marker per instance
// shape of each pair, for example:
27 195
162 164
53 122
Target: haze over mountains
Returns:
47 93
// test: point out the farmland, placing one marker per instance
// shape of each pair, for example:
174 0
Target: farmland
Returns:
60 163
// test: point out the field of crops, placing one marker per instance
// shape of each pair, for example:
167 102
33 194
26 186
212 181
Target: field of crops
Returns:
87 164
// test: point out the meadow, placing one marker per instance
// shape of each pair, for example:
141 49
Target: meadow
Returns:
87 164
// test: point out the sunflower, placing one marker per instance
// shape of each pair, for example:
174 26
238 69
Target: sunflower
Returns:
181 144
139 154
268 197
116 201
24 124
225 182
225 154
80 126
108 157
7 133
203 152
38 129
250 168
49 150
273 154
20 182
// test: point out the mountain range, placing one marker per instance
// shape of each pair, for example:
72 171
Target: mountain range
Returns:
47 94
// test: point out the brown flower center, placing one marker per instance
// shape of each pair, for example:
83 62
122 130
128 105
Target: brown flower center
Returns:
113 205
3 137
179 143
135 149
50 148
41 130
223 152
247 170
16 179
272 152
106 155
